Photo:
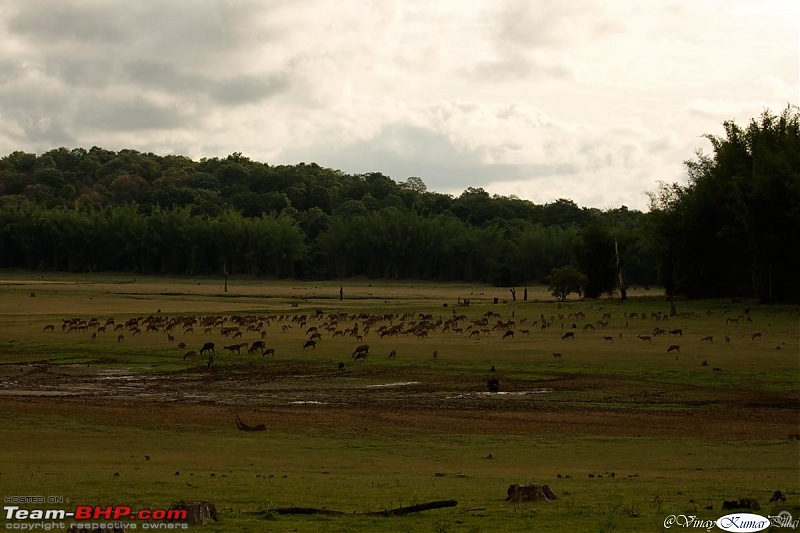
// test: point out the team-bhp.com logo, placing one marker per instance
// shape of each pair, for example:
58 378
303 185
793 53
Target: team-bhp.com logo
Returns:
122 517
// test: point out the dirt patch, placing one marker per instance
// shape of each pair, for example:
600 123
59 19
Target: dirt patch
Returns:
313 398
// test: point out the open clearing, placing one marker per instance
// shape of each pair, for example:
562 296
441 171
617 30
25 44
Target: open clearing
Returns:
625 432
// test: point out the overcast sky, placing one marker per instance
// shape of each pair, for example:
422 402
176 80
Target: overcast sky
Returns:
592 100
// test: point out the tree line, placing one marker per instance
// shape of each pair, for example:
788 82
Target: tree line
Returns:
724 233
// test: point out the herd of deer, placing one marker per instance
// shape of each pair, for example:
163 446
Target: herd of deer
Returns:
381 326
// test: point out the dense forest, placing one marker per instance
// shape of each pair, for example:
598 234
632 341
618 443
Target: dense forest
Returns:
731 230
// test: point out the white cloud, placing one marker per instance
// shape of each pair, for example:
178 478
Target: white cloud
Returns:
589 99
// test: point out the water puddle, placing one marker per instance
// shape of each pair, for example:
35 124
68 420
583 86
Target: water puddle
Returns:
398 384
498 394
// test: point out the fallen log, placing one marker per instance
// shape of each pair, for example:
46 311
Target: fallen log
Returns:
414 508
244 427
399 511
304 510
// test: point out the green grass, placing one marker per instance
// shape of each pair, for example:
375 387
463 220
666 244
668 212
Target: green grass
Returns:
679 450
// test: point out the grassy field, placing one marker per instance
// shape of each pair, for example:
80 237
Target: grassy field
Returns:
624 432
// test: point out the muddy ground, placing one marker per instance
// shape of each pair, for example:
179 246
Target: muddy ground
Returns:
290 395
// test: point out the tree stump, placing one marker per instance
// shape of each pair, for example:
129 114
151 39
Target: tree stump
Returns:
530 493
744 503
777 496
197 512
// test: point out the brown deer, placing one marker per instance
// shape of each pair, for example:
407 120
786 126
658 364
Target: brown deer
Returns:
709 338
755 336
233 348
189 355
568 335
257 346
310 344
608 338
362 348
673 348
207 347
49 327
557 355
508 334
646 338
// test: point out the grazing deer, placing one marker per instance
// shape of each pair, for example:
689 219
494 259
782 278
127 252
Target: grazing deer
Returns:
268 351
393 354
709 338
341 367
120 337
678 332
756 336
731 321
646 338
557 355
568 335
362 348
727 340
233 348
361 355
658 331
608 338
181 345
170 338
49 327
310 344
673 348
257 346
508 334
189 355
207 347
588 327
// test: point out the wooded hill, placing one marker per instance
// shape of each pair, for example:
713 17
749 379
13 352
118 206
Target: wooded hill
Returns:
727 232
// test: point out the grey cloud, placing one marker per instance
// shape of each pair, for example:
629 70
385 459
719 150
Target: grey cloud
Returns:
44 133
56 22
401 151
188 32
246 89
76 72
137 114
236 90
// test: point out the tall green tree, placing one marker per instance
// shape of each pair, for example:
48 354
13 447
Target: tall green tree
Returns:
731 229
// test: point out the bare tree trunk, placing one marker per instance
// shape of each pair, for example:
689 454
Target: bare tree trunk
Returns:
623 289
